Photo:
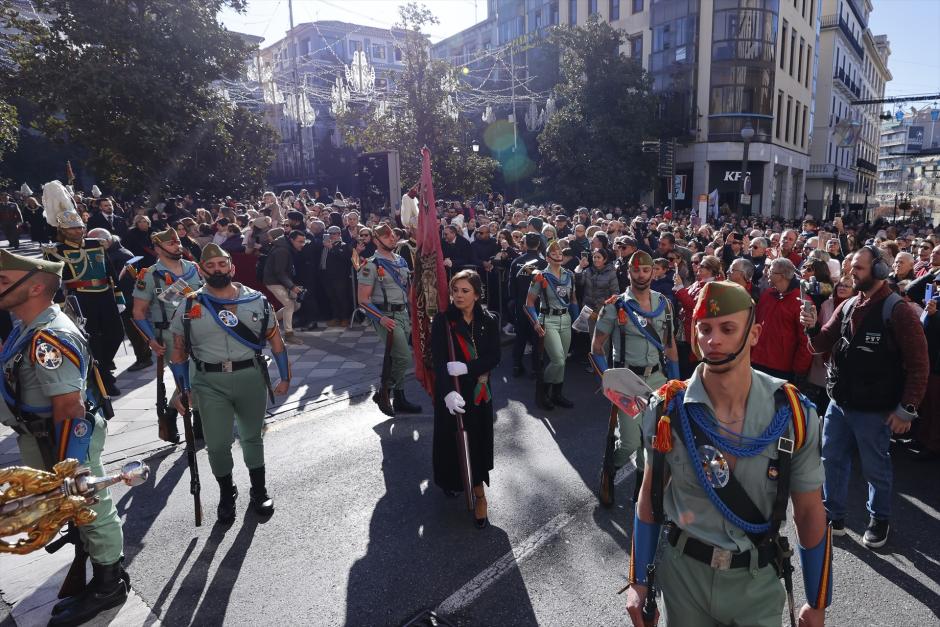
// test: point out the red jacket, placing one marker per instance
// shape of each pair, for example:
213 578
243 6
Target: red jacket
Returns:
686 298
782 344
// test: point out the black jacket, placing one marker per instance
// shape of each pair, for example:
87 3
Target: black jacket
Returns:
279 268
460 253
117 225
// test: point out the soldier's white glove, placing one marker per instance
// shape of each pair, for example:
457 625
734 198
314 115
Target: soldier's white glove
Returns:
454 402
456 368
121 308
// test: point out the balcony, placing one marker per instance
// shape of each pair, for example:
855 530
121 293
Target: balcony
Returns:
836 21
862 164
828 170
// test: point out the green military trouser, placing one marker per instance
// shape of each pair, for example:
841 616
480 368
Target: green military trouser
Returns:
557 341
103 538
629 437
697 595
401 352
227 398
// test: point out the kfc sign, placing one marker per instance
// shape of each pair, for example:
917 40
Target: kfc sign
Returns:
733 176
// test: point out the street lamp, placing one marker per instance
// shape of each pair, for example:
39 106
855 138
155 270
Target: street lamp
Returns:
475 146
747 134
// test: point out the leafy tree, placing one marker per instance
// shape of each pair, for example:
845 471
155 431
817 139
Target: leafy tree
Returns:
418 118
9 130
132 81
591 149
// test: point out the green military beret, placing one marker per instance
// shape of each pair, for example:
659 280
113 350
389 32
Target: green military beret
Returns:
721 298
165 237
10 261
640 258
212 251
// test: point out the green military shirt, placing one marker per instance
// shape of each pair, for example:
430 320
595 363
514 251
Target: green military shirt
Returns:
550 297
385 288
213 341
55 360
685 501
151 284
639 350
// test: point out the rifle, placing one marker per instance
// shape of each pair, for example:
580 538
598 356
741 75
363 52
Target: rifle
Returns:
163 423
381 396
605 491
649 603
194 487
463 442
75 579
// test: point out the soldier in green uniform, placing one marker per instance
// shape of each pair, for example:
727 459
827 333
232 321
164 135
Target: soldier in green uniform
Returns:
219 332
89 275
383 297
158 292
727 451
46 364
553 288
639 325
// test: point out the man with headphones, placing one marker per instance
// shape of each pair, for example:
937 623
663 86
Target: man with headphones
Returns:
876 380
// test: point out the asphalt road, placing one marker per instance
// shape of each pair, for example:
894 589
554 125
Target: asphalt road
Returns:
361 536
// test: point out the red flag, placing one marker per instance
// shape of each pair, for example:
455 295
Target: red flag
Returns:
429 292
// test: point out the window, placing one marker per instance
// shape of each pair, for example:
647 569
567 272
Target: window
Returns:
398 55
799 69
779 113
381 84
554 13
809 64
304 47
355 44
636 48
792 46
786 130
796 123
783 44
637 6
538 19
614 10
803 12
572 12
812 3
592 7
378 51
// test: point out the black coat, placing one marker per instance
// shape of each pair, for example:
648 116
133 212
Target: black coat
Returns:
478 419
117 226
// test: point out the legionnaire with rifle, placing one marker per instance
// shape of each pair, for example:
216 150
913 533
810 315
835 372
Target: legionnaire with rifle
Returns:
89 275
553 288
383 297
727 450
158 292
520 272
639 325
219 332
47 365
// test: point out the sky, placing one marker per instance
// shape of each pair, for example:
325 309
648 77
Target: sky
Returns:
912 27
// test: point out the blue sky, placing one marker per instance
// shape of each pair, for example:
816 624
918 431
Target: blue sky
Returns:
912 27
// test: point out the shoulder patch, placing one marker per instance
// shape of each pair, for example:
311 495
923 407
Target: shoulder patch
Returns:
49 350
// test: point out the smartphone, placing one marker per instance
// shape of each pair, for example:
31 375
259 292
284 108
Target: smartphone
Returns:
585 254
807 304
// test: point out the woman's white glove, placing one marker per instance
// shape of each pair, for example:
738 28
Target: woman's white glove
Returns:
454 402
456 368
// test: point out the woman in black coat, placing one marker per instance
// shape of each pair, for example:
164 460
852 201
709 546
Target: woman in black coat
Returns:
475 336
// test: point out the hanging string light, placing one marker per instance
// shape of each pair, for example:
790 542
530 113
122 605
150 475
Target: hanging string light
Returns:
488 116
340 98
360 76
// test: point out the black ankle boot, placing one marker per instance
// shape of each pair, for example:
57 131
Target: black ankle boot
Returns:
558 398
542 397
636 488
108 588
403 405
227 495
260 501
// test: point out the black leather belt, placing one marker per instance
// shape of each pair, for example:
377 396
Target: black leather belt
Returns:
391 308
37 427
718 558
644 371
225 366
163 326
554 312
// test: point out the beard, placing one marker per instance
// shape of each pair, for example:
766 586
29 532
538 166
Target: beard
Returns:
642 286
219 280
13 299
863 285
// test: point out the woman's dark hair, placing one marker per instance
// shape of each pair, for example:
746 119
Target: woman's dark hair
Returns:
471 277
507 235
336 219
820 270
603 252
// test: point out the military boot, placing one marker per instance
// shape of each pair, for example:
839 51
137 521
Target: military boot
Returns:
403 405
227 495
542 398
260 501
558 398
108 588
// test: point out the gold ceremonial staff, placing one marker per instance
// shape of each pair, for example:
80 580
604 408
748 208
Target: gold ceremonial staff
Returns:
38 503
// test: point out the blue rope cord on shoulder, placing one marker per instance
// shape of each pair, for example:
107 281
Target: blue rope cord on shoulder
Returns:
232 301
215 318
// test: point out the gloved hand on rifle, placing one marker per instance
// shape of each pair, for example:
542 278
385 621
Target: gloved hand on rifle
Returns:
455 403
456 368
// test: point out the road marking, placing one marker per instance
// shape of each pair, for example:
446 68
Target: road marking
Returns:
473 589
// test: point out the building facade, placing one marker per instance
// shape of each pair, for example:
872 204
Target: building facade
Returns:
853 66
909 162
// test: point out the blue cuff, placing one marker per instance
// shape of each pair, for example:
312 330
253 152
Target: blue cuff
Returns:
642 549
73 437
283 366
600 364
371 311
146 327
573 311
672 369
533 315
180 372
817 571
